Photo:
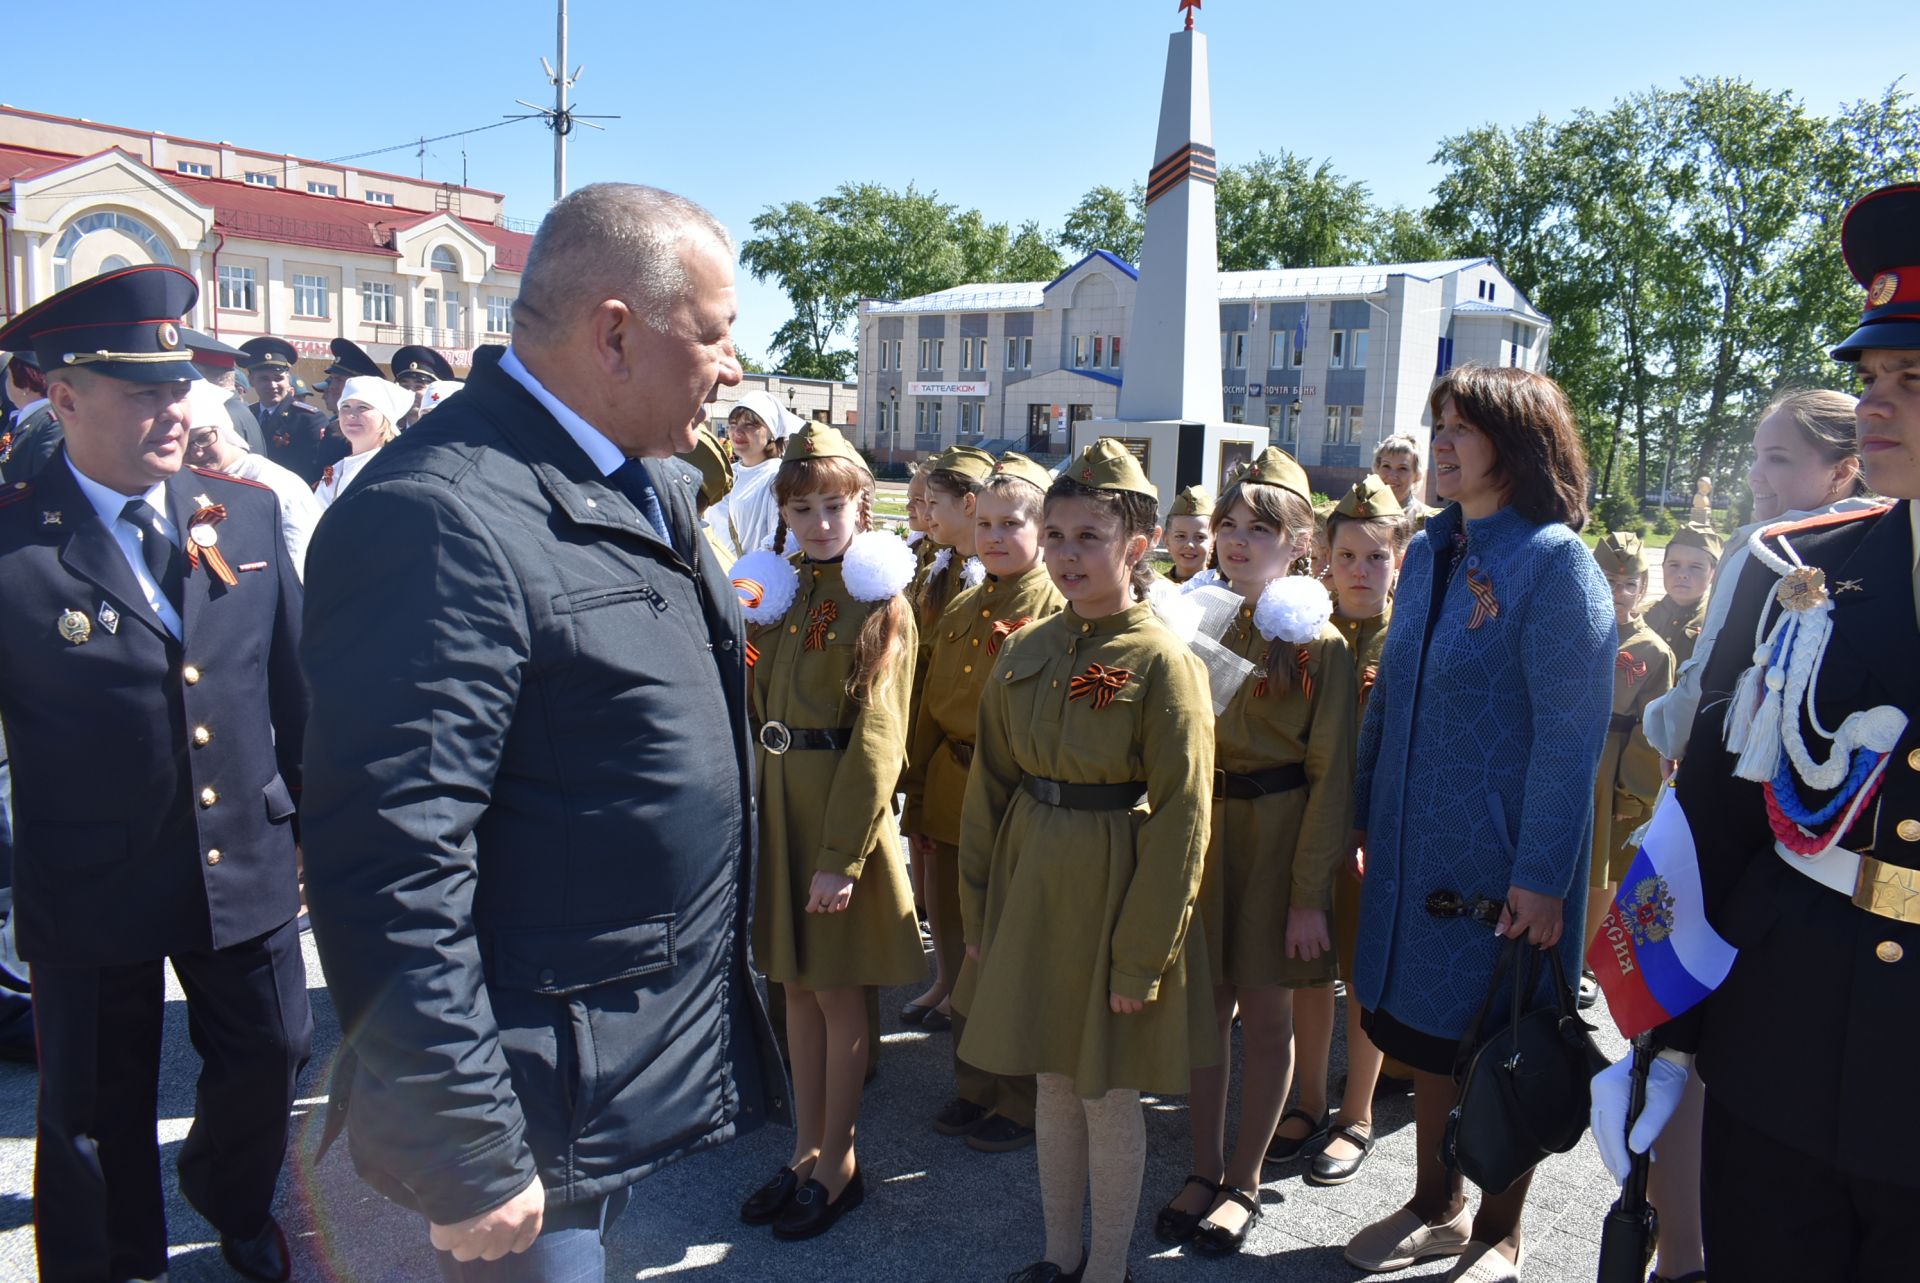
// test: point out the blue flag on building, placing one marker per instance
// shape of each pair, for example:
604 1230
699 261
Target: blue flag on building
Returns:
1300 331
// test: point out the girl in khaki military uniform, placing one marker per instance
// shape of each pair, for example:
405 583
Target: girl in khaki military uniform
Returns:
1368 534
1189 535
1077 900
1282 814
1687 574
1630 776
993 1112
833 653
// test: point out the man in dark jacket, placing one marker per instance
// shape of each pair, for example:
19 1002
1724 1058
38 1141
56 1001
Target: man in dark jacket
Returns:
528 818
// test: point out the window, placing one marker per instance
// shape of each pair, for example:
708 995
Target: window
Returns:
1113 352
1282 345
310 296
1079 352
255 178
926 350
379 198
315 188
1299 346
236 288
939 354
971 416
1492 291
883 355
1013 354
899 360
1283 429
196 168
444 261
1039 427
1078 413
1237 412
1356 424
1335 414
1357 350
1099 351
966 354
376 302
933 417
1238 350
920 415
1026 353
1338 360
499 314
1294 413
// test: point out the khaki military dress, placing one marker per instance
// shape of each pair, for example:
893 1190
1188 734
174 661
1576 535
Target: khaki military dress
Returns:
1067 906
827 809
1677 626
1366 638
1281 851
1629 779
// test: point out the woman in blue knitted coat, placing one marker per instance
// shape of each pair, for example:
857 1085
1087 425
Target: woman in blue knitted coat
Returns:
1476 770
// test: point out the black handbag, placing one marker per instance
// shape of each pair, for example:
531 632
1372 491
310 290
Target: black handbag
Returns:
1525 1091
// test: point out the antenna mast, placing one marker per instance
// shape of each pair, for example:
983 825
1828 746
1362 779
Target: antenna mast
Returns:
560 117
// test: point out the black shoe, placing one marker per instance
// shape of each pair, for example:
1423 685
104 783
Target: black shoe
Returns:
999 1135
913 1015
1048 1272
958 1117
811 1214
770 1199
1328 1170
1210 1239
1284 1149
263 1257
1173 1226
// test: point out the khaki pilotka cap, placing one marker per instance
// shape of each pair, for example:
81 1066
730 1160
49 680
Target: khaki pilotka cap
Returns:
1275 467
1620 553
823 441
973 464
1705 538
1191 502
716 470
1015 464
1108 465
1371 497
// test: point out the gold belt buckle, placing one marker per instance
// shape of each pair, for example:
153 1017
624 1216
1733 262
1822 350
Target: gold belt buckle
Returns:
775 737
1888 890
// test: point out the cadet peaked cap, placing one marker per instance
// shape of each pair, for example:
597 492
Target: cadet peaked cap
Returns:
423 361
1705 538
716 469
1621 553
1275 467
1880 240
125 324
822 441
268 351
973 464
351 360
1370 497
210 351
1015 464
1191 502
1109 465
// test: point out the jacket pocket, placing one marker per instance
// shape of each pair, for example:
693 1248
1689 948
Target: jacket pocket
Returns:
279 801
568 960
1497 814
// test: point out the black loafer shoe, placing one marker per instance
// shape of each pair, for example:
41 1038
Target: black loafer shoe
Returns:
912 1014
811 1214
1216 1240
263 1257
1284 1149
1048 1272
958 1117
999 1135
770 1199
1328 1170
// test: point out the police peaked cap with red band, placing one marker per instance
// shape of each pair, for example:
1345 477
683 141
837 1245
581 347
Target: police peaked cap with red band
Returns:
268 352
124 324
1881 243
351 360
423 361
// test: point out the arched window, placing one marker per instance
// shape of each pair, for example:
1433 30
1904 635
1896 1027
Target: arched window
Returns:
104 221
444 260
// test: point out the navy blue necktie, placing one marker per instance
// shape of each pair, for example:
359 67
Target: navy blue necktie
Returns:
631 480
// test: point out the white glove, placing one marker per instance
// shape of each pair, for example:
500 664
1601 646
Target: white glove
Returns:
1666 1080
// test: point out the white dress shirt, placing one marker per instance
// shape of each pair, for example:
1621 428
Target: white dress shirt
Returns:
108 503
605 454
340 474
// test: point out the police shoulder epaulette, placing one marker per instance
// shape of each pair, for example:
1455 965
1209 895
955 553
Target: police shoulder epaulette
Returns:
1824 520
15 493
228 476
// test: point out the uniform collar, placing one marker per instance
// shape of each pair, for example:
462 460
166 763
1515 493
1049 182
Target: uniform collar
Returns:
1119 622
109 502
605 454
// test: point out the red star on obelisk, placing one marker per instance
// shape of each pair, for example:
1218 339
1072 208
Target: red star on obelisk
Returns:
1187 7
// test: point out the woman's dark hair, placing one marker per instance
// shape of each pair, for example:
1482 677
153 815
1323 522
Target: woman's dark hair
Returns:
937 587
1536 444
1138 514
1825 421
27 376
776 446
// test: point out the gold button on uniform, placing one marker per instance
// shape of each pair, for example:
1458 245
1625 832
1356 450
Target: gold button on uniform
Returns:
832 636
208 797
1909 830
191 674
974 642
1888 951
986 614
1913 760
969 669
213 856
201 737
793 628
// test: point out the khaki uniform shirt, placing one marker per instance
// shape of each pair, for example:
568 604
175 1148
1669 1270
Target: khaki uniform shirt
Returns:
1629 779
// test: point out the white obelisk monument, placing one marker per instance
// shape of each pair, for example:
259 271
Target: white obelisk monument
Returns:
1170 396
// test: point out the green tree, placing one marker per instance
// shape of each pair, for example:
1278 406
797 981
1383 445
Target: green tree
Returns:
1109 219
1283 211
1402 235
1033 256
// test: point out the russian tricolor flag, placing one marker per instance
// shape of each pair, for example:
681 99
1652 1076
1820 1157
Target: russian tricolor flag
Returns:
1656 954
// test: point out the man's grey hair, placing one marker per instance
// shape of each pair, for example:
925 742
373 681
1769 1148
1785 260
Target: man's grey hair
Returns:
611 240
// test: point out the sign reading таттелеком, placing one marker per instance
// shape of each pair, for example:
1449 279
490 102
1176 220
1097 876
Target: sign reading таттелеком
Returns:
949 389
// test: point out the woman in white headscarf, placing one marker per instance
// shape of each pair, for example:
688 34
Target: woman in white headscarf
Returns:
758 430
215 443
370 412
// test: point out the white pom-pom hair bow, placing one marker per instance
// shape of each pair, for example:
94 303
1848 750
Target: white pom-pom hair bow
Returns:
767 584
1293 609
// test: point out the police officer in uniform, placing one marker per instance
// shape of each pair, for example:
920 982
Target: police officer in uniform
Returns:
1808 1047
154 705
414 367
296 431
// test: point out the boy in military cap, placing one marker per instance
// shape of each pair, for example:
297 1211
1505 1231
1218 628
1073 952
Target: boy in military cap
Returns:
296 432
1189 534
994 1113
1077 905
1629 779
1687 573
716 479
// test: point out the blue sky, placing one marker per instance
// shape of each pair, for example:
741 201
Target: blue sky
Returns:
1016 107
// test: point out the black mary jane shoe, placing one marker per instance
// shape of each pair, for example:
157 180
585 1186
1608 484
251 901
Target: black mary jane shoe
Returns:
1217 1240
812 1213
1048 1272
1284 1149
958 1117
931 1019
771 1199
1328 1170
263 1257
1173 1226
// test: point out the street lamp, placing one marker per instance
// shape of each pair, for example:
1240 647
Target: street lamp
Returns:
893 423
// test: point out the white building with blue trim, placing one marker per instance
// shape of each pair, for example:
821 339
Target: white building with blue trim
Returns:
1332 359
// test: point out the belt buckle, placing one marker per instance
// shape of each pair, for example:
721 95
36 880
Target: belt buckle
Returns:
1887 890
775 737
1047 791
1219 782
